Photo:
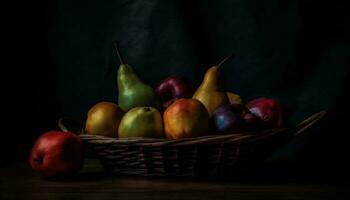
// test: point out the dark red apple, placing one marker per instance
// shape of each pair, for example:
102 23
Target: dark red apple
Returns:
268 110
173 88
57 153
252 122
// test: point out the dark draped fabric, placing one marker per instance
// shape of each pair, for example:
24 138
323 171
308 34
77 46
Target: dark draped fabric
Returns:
292 50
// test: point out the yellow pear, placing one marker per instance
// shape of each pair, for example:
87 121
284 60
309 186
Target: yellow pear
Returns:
234 98
211 93
104 119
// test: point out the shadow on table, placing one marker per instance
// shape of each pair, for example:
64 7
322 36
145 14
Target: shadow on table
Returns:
266 174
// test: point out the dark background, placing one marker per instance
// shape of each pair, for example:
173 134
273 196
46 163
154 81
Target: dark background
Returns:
63 62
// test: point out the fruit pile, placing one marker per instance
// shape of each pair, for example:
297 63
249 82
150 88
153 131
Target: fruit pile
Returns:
175 110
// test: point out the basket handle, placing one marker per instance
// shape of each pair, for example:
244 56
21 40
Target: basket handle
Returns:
302 126
71 125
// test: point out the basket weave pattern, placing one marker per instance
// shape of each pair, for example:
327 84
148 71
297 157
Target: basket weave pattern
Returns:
212 155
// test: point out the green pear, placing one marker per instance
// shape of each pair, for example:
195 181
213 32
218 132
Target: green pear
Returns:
132 91
211 92
141 122
103 119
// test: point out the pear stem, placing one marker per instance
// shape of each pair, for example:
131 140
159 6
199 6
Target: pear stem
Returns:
225 59
120 58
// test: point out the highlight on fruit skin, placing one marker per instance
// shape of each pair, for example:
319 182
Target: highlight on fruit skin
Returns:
173 88
211 91
228 118
234 118
132 91
186 118
57 154
144 122
104 119
269 110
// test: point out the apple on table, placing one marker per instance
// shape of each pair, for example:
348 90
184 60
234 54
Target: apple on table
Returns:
57 154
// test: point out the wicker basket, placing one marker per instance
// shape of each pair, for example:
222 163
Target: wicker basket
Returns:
212 155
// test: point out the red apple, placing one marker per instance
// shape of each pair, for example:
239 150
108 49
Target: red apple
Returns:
268 110
173 88
57 153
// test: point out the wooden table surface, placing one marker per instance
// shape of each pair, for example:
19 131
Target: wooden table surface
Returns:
17 181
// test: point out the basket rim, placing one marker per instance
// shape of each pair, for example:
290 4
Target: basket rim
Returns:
208 139
236 138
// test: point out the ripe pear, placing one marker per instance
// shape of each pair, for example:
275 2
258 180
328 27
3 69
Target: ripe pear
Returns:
234 98
103 119
186 118
211 92
132 91
141 122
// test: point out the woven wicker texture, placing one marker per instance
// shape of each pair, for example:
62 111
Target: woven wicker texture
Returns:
212 155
